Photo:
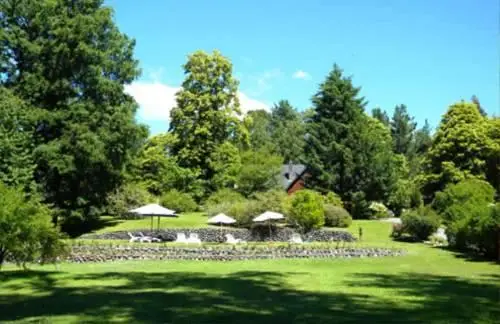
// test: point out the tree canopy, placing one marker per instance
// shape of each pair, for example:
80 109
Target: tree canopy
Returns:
69 60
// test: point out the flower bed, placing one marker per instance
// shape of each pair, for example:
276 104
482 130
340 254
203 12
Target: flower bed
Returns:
215 235
97 253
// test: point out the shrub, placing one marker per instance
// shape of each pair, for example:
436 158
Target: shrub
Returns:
331 198
471 218
472 192
224 196
360 208
127 197
378 210
336 216
244 211
27 232
420 223
181 202
477 231
272 200
307 210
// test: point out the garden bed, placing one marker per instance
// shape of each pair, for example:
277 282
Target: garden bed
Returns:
214 235
100 253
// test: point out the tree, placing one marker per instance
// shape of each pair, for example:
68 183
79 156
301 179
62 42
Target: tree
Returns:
68 59
158 170
381 115
16 142
288 131
421 143
207 111
347 151
475 100
260 171
225 161
337 112
460 149
27 232
493 163
260 132
402 128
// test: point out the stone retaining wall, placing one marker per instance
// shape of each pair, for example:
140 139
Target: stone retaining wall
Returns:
215 235
84 253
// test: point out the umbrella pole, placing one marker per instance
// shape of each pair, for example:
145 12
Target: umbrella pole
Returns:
152 222
158 229
269 222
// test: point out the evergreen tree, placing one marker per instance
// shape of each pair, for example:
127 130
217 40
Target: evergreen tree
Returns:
16 142
475 100
402 128
68 59
382 116
288 131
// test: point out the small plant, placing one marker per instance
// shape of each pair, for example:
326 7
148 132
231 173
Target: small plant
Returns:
379 210
336 216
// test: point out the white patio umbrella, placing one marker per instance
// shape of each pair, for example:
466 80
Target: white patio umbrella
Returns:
221 219
154 210
268 216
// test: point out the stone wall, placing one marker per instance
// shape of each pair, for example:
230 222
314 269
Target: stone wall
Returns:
215 235
98 253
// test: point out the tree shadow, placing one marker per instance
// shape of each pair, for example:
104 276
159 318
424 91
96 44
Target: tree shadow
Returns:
243 297
468 255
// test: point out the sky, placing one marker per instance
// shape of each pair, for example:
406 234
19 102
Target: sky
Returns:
426 54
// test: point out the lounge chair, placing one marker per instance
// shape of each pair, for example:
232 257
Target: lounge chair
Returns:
296 239
231 240
181 238
134 238
149 239
193 238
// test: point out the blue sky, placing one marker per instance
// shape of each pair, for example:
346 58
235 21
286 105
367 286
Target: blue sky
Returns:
426 54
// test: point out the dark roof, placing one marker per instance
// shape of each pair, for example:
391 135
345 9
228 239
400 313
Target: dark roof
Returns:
290 173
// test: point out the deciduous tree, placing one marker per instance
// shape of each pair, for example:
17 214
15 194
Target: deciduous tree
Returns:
207 111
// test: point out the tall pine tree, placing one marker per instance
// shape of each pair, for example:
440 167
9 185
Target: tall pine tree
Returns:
68 59
402 128
337 112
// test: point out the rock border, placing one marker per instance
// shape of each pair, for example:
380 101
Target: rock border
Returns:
89 253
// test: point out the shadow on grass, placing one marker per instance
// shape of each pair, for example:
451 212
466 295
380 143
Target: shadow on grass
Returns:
245 297
468 256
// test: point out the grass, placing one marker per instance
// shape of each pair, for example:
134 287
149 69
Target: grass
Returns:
187 220
429 285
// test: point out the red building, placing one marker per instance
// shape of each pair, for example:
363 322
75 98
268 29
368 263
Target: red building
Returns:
293 177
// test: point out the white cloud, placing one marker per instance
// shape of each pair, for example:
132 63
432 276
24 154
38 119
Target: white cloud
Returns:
301 75
157 99
247 104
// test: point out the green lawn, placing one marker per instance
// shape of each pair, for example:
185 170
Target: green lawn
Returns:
429 285
188 220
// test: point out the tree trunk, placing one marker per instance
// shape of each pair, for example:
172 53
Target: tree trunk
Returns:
2 256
